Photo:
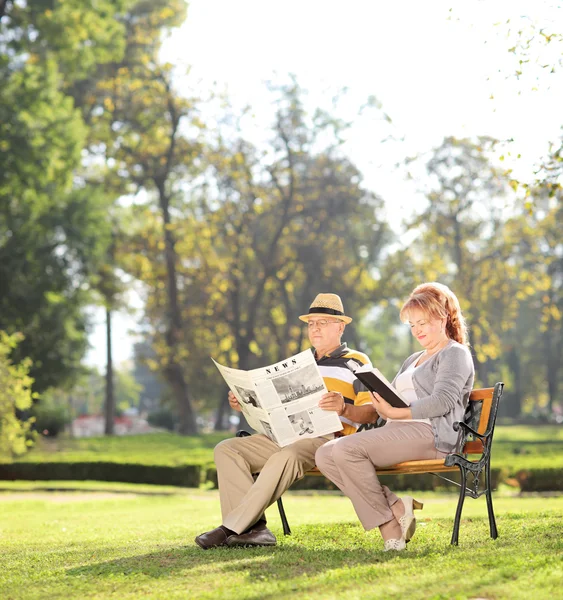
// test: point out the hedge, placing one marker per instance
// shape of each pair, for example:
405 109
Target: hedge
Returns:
529 480
540 480
420 482
185 475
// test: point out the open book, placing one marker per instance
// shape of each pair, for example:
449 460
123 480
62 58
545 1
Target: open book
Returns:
374 380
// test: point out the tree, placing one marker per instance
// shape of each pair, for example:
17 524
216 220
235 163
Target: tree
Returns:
53 236
254 240
547 256
138 120
464 241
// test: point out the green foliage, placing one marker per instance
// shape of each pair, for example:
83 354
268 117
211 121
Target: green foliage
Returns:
53 236
16 398
504 263
164 418
50 420
45 259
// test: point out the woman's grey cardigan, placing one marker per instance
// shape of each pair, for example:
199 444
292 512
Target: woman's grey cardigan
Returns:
442 384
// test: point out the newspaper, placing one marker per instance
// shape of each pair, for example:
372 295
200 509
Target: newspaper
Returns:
281 400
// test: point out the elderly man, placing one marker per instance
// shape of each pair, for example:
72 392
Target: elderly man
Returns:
243 500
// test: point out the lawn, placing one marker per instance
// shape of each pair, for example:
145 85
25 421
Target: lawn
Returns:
124 541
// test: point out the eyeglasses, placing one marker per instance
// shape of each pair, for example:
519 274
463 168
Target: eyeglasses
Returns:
321 324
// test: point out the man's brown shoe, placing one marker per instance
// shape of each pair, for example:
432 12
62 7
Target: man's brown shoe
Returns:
212 539
254 537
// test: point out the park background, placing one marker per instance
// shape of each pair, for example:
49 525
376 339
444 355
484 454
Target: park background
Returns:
179 181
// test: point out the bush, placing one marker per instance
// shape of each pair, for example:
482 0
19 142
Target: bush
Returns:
16 398
417 481
50 420
540 480
164 418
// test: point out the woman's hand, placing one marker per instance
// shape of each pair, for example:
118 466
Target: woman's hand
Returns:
233 402
386 411
333 401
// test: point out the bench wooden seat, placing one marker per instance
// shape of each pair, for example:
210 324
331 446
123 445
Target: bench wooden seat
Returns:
475 438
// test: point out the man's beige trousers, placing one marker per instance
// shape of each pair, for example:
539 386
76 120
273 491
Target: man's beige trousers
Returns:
243 500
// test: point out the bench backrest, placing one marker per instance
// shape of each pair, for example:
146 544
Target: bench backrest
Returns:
481 415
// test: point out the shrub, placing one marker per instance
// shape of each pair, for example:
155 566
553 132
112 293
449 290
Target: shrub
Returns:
164 418
540 480
50 420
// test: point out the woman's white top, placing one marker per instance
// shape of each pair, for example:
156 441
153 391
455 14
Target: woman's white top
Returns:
405 386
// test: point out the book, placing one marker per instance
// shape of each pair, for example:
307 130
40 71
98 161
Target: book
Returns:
375 381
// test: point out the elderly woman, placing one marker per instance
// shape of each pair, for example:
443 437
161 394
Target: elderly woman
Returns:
436 381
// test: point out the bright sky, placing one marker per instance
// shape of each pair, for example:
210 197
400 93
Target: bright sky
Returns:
438 68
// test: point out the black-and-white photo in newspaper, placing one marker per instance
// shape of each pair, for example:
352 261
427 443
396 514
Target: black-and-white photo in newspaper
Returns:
282 400
247 396
268 430
298 384
301 422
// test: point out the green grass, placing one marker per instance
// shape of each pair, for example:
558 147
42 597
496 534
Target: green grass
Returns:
106 541
514 448
529 433
165 449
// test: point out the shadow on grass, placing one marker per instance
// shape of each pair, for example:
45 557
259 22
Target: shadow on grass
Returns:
287 560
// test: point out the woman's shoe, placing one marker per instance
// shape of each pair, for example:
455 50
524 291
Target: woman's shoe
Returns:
397 545
408 521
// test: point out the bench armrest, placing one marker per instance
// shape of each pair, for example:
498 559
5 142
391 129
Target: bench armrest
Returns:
468 429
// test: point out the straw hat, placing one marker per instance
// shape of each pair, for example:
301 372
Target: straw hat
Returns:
329 305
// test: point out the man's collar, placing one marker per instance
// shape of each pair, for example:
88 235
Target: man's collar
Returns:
335 353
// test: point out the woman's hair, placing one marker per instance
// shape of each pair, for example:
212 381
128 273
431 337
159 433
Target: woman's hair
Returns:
438 302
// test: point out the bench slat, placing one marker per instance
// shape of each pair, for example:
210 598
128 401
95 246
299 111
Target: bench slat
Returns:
411 466
481 394
416 466
484 395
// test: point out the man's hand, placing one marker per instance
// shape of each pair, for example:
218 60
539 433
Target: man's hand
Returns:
333 401
233 402
385 410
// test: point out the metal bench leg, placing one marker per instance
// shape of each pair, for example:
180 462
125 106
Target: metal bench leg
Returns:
489 494
457 520
285 524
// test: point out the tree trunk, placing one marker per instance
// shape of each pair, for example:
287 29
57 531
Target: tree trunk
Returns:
173 371
110 398
243 363
70 416
222 410
514 406
552 366
179 387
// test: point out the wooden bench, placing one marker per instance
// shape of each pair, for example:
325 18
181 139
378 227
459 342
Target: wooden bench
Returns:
476 438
